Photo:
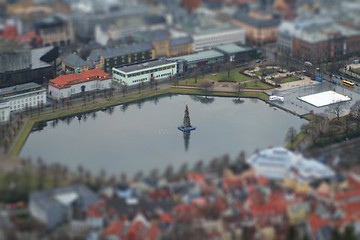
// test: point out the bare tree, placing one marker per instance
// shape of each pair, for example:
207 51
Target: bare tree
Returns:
337 108
355 113
291 136
207 85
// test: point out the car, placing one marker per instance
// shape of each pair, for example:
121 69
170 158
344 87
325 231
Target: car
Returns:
258 61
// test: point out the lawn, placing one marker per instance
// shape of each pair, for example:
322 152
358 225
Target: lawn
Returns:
355 70
257 85
289 79
235 75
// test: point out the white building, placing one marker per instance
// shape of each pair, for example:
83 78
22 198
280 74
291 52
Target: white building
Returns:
137 73
20 97
67 85
211 39
279 163
4 112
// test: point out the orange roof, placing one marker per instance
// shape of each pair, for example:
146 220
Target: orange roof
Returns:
93 211
70 79
114 229
30 36
196 177
344 195
153 232
262 181
316 222
166 218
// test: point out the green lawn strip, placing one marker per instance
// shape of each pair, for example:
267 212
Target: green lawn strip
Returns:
257 85
289 79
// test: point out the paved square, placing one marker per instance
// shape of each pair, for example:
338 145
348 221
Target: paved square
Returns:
324 98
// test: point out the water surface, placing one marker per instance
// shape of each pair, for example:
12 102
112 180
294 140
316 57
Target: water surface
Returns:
144 135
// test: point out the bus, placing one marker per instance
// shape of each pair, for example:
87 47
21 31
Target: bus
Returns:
348 83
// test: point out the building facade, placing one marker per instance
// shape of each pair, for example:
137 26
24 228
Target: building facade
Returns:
55 30
73 63
204 41
317 40
19 64
21 97
67 85
4 112
140 73
203 61
260 27
107 59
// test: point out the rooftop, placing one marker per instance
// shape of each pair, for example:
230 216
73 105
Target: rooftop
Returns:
258 19
315 29
36 54
76 61
232 48
120 51
180 41
4 92
204 55
282 161
69 79
146 65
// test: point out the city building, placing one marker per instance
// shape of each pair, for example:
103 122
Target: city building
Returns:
21 97
208 31
180 46
19 64
204 61
4 112
56 206
88 14
55 30
278 163
73 63
107 59
65 86
317 39
260 26
146 72
235 53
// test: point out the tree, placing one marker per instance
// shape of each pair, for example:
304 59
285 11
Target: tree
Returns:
337 108
228 67
355 113
207 85
291 136
195 74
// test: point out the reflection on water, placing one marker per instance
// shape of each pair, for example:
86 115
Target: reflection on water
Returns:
144 136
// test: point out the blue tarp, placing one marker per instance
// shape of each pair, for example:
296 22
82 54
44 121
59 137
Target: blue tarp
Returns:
318 78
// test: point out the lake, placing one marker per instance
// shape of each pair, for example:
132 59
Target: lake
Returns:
144 135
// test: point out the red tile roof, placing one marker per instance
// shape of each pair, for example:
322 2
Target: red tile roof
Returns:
195 177
93 212
166 218
316 222
29 37
343 196
114 229
65 81
153 233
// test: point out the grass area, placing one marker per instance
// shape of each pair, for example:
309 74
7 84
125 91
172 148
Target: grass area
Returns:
257 85
355 70
235 75
290 79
